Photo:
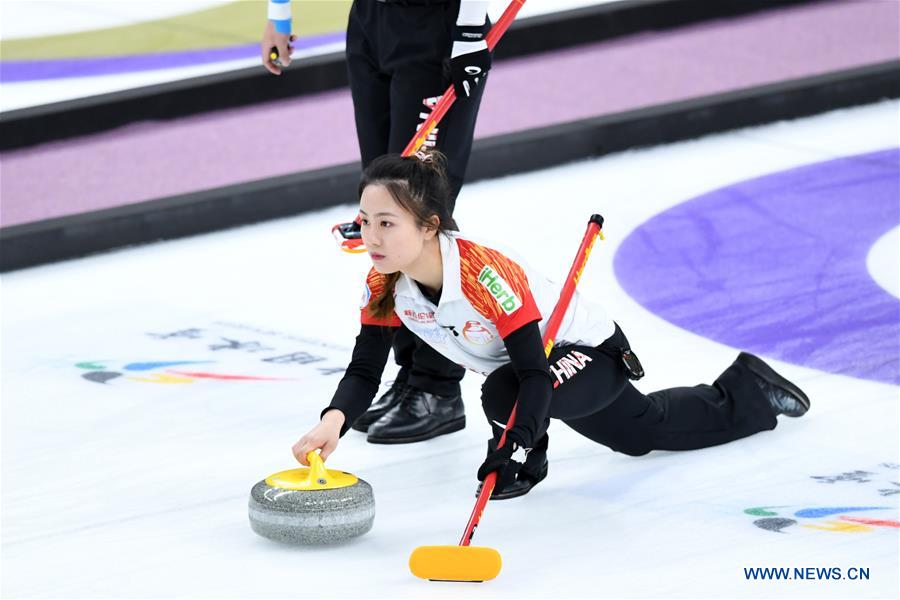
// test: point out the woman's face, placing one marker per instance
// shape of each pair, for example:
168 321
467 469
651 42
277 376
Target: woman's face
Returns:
391 234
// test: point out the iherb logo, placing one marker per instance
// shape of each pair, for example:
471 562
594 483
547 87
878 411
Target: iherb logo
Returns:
499 289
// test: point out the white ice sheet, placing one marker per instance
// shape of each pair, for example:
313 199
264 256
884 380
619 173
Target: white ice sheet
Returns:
139 489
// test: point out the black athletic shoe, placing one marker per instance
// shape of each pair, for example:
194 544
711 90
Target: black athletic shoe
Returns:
522 476
380 407
419 416
785 397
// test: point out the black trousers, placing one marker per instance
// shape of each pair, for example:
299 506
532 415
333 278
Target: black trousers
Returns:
599 402
396 59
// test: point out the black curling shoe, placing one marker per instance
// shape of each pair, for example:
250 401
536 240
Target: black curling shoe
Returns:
380 407
785 397
417 417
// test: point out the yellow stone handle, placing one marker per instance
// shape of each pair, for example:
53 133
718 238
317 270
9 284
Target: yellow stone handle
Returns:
318 475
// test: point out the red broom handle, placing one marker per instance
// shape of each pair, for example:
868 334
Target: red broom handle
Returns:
449 96
565 296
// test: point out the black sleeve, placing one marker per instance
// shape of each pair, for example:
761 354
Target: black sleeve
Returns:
360 383
526 353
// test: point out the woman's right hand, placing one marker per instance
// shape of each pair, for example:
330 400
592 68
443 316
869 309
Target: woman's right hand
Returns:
280 41
323 437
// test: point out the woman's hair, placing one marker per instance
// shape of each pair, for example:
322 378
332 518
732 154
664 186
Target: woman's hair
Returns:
418 183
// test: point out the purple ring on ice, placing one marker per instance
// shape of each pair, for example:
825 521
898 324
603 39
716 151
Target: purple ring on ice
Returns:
777 266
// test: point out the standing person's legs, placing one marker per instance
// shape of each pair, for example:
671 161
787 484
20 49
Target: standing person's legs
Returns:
414 42
412 85
412 100
419 78
370 87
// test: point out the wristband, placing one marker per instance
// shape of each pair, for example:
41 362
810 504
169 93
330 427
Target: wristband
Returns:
472 12
280 15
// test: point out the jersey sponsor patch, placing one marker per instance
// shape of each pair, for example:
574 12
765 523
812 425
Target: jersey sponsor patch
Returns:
496 287
476 333
502 292
419 317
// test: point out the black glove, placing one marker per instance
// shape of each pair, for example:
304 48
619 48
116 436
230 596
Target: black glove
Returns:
497 460
470 59
500 460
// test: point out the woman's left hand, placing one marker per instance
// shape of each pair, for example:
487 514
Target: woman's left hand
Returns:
498 460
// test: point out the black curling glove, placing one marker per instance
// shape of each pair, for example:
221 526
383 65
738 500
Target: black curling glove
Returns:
501 460
470 59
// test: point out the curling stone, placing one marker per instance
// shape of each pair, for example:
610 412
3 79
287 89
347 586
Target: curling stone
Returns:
311 506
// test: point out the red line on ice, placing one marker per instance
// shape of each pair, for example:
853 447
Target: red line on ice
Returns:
882 522
227 377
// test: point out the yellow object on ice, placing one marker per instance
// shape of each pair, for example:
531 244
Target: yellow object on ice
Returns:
455 563
163 378
316 477
841 526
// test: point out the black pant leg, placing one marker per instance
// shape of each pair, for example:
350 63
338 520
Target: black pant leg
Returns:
413 43
419 70
432 372
370 87
408 46
404 344
397 61
455 133
683 418
411 85
593 396
423 367
731 408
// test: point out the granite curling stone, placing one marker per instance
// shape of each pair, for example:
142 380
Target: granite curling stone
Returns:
311 505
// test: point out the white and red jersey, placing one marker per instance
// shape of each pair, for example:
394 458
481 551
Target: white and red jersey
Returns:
486 295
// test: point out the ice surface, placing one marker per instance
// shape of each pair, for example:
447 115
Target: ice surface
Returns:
138 487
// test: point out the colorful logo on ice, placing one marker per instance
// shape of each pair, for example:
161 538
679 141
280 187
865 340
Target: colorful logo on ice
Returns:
173 371
842 519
